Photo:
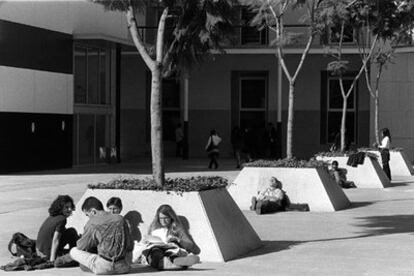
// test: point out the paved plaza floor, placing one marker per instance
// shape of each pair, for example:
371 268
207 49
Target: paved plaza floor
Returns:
372 237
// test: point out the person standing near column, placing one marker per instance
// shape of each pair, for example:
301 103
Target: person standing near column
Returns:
384 148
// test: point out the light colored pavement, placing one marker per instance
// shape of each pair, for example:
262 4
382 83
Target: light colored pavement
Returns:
373 237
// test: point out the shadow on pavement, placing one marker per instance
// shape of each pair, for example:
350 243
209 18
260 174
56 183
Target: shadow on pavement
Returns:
359 204
271 247
385 225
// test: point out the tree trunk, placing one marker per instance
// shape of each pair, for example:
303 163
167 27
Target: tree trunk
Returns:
289 144
376 118
156 127
343 122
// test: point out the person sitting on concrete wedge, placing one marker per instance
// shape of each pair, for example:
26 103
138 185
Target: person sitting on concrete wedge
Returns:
106 234
339 176
270 198
168 243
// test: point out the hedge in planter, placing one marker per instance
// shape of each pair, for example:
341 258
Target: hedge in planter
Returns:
304 182
215 222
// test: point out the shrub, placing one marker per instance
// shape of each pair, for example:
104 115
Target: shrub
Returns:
178 185
287 163
398 149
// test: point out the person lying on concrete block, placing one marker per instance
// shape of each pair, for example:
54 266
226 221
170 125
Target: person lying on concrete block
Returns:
270 198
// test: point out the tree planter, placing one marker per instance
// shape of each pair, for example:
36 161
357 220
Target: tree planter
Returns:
399 163
215 222
313 186
367 175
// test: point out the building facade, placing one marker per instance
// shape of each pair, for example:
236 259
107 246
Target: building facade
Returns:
73 86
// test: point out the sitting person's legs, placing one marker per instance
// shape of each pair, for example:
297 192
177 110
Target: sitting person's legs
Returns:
93 262
267 206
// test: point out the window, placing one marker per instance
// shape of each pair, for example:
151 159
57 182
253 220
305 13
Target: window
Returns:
91 76
250 35
170 108
334 110
253 101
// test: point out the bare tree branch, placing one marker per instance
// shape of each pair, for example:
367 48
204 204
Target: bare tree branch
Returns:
139 44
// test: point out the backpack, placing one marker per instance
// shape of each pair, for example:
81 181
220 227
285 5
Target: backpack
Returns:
21 245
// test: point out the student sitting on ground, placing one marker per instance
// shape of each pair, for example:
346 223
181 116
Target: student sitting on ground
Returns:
270 198
106 233
339 176
168 243
53 235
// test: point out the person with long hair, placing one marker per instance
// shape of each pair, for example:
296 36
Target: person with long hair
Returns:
53 235
384 148
175 242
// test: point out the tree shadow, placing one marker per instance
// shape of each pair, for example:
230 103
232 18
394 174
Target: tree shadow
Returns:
385 225
134 219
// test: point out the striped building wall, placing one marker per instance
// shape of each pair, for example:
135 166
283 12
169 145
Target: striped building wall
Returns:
36 76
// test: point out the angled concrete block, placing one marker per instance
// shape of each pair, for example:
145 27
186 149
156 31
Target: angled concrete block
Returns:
313 186
215 222
367 175
400 165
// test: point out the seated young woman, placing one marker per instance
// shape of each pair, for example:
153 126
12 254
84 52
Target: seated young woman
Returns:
270 198
53 235
339 175
168 243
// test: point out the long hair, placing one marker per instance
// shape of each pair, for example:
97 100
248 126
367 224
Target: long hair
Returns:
386 132
175 225
57 205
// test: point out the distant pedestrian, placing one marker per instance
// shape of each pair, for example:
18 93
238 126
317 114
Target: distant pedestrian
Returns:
248 144
237 143
212 148
272 140
179 140
384 148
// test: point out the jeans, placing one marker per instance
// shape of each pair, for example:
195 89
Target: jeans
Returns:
97 264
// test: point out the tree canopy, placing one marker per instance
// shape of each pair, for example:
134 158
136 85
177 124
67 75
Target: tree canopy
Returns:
194 27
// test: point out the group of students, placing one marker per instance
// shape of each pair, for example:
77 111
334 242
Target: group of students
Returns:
106 246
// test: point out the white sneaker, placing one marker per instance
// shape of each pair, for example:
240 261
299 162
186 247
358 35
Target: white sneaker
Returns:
187 261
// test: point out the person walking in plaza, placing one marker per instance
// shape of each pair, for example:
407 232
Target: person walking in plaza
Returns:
53 235
168 243
108 236
212 148
272 140
384 149
179 140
